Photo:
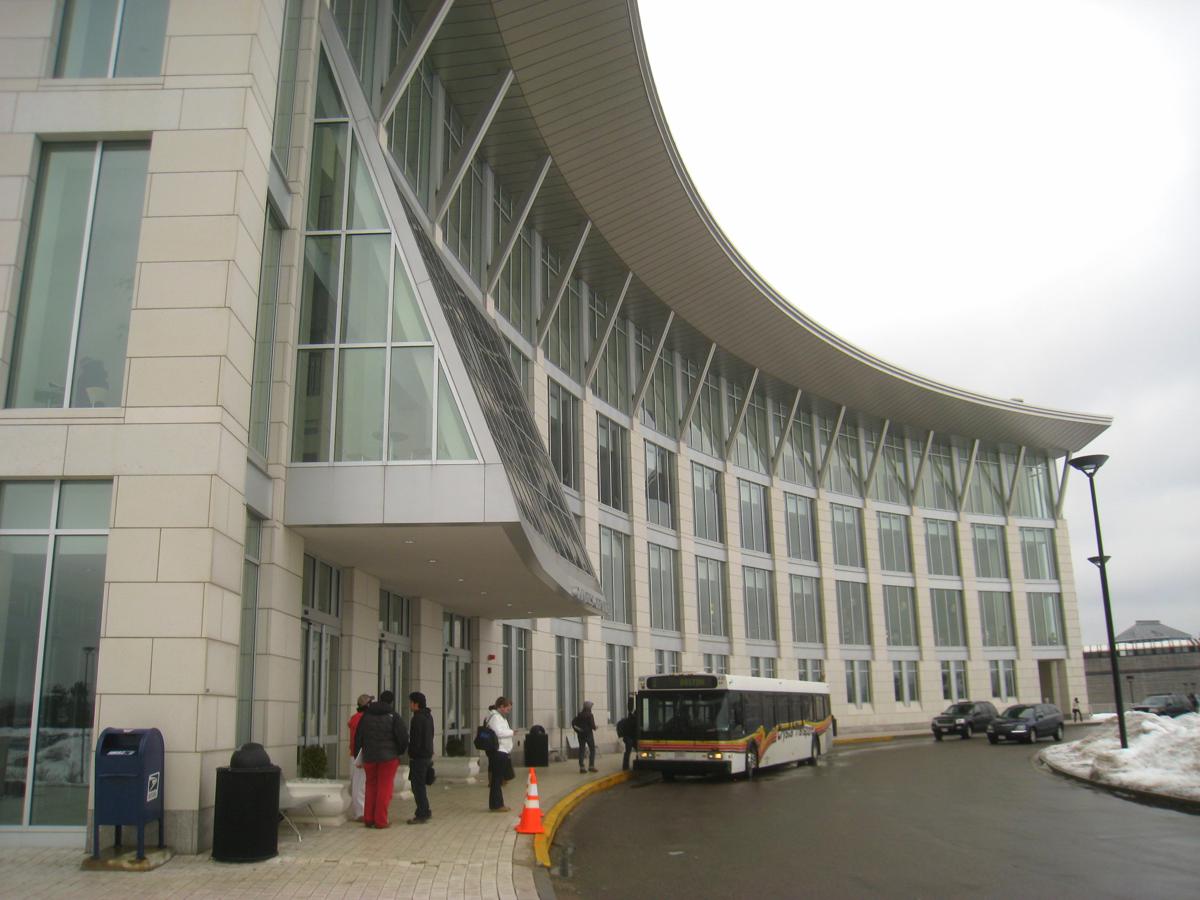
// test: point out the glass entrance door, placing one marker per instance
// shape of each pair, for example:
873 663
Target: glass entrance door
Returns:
321 649
457 720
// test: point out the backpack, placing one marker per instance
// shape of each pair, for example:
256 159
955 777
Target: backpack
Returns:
625 728
486 740
577 722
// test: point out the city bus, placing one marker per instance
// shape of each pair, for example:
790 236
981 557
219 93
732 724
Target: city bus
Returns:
698 724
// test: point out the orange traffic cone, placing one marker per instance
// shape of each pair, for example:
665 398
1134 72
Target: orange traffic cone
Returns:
531 815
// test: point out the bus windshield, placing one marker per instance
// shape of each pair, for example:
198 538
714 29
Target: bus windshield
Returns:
690 715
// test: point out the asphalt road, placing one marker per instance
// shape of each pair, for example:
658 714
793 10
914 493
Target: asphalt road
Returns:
912 818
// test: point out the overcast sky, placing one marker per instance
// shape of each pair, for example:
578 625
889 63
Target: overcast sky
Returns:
1001 196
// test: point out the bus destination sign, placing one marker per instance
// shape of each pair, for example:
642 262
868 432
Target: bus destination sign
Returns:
680 682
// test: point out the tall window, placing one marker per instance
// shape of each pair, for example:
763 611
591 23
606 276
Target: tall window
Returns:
320 659
858 682
410 130
901 615
995 610
954 680
810 669
800 515
705 431
1037 552
668 662
611 381
948 628
248 635
568 677
77 289
264 336
752 446
660 485
564 339
614 576
369 384
515 651
612 452
564 434
1045 619
891 476
847 535
752 503
808 626
111 40
395 643
659 409
987 491
894 552
844 473
760 604
285 97
463 232
710 596
763 667
854 619
620 680
664 590
796 464
936 490
1004 678
1035 488
716 663
53 541
707 509
941 547
991 560
904 681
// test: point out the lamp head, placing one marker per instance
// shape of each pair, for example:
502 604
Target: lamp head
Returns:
1089 464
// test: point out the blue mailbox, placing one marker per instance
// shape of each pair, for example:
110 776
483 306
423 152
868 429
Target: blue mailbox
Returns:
129 783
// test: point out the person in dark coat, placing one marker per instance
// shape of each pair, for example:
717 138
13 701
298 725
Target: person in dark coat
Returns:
420 755
585 726
627 730
382 737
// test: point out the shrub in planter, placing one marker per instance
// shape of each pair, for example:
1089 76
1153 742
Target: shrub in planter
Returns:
313 762
455 746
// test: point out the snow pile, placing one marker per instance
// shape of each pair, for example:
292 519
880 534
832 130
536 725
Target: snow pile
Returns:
1163 755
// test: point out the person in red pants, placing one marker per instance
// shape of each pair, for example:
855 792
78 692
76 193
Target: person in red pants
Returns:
383 739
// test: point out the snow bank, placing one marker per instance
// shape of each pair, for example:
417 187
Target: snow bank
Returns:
1163 755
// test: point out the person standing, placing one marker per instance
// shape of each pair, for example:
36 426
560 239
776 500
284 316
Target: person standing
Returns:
382 737
420 755
1076 713
358 775
585 727
627 732
500 767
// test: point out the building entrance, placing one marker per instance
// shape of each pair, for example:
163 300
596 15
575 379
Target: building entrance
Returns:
458 721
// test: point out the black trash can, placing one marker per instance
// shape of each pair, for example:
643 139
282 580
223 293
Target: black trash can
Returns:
246 817
537 747
129 783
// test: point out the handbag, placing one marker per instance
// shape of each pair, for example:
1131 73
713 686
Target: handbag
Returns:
358 760
430 775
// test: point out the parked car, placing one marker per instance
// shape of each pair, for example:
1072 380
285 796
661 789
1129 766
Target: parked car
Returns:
963 719
1165 705
1027 722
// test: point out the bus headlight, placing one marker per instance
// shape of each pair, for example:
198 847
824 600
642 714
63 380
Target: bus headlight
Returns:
716 755
646 754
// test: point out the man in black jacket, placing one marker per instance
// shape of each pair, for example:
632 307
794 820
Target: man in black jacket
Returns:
382 737
420 755
585 726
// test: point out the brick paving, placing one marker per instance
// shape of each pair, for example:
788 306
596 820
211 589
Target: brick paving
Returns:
465 851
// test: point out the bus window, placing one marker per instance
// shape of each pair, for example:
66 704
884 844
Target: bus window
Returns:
806 708
737 716
752 704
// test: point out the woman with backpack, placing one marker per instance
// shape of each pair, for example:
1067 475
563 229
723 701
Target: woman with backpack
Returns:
500 767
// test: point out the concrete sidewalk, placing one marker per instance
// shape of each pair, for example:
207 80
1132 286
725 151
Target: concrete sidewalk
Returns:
464 851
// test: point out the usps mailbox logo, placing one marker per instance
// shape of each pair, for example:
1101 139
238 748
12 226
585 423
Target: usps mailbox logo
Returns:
152 786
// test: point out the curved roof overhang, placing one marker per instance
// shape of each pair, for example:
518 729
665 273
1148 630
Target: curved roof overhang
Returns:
586 97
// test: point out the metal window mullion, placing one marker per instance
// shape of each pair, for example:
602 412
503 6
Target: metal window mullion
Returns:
116 39
84 251
341 300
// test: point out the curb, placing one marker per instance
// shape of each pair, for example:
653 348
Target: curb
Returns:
561 809
1180 804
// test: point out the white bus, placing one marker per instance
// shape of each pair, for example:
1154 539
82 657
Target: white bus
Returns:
702 724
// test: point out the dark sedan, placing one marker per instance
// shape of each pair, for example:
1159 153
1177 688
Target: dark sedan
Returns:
1165 705
1027 722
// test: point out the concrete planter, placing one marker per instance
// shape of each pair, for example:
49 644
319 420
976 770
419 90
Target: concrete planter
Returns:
459 769
323 800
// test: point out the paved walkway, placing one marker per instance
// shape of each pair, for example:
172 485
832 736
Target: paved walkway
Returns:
465 851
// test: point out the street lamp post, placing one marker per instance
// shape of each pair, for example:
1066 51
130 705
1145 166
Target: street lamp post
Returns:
1089 465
